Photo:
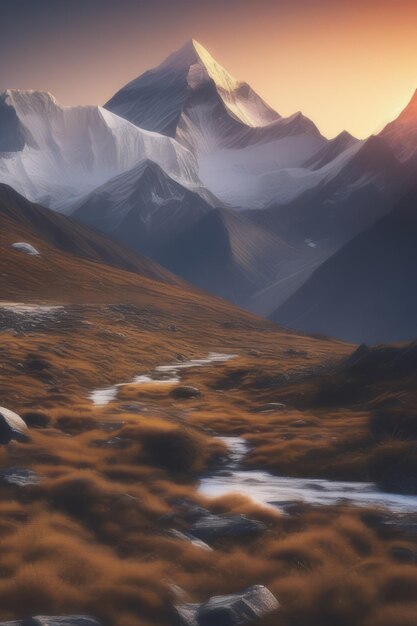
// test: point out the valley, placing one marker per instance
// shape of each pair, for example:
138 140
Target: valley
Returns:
90 530
208 355
190 167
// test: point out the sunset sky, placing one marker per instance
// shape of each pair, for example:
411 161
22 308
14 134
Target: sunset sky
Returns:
347 64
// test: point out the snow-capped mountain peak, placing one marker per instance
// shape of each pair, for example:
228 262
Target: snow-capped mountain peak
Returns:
157 99
56 154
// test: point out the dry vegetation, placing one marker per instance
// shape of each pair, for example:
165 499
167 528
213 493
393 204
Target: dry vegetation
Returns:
92 535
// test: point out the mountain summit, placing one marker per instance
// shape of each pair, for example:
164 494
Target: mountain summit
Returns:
234 134
401 133
56 154
156 100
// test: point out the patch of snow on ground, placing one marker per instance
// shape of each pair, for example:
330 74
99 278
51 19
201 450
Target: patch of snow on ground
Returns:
25 247
31 309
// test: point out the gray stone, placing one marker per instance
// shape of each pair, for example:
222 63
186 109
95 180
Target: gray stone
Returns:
55 620
235 609
190 539
183 392
62 620
12 427
187 614
195 512
21 477
211 527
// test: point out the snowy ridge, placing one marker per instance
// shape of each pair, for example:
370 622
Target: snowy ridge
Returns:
156 99
70 151
245 149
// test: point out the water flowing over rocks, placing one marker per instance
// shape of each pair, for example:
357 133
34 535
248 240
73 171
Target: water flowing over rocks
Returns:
230 610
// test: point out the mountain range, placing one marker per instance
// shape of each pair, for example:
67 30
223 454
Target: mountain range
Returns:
192 168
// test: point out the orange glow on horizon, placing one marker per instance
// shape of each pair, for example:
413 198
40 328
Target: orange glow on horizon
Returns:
346 65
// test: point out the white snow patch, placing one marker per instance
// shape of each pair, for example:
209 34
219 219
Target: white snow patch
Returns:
25 247
31 309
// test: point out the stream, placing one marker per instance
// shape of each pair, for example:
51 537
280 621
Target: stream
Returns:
262 486
161 375
280 491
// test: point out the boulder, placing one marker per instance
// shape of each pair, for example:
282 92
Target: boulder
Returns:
186 614
211 527
55 620
62 620
235 609
12 427
190 539
20 477
185 392
194 512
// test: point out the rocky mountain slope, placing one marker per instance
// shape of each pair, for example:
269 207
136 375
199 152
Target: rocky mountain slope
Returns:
22 222
366 291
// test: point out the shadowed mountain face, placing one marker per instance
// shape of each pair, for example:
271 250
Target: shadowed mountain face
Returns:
142 208
360 186
226 254
366 291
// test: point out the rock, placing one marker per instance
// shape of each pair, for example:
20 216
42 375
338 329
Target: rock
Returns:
186 614
238 608
59 620
195 512
211 527
184 392
231 610
178 593
62 620
20 477
36 419
26 248
190 538
12 427
172 328
293 352
181 358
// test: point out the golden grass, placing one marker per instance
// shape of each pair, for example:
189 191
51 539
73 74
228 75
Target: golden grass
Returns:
92 535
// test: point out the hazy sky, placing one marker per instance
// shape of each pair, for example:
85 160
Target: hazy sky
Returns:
347 64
